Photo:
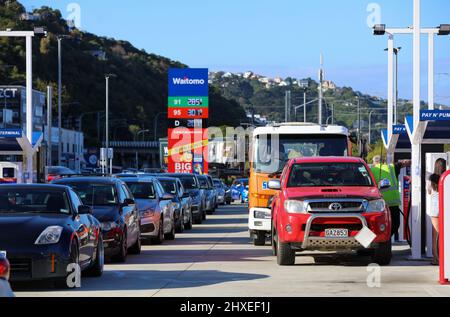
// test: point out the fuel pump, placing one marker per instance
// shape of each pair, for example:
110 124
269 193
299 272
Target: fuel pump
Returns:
11 173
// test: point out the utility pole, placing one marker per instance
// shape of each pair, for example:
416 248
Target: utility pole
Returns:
107 76
320 89
332 113
359 125
49 125
304 106
59 101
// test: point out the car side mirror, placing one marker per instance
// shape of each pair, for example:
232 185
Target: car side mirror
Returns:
84 210
385 183
128 202
274 185
167 197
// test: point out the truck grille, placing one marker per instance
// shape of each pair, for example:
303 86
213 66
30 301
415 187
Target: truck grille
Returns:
337 206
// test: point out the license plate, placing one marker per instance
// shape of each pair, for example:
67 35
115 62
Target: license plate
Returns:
336 233
3 254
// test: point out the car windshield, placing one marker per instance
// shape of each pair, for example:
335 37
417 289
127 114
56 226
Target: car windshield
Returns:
271 155
169 186
93 194
33 201
329 174
203 182
142 190
189 182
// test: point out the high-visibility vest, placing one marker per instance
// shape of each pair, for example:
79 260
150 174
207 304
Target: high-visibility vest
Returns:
392 194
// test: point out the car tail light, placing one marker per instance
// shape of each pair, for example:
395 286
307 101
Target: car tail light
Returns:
4 268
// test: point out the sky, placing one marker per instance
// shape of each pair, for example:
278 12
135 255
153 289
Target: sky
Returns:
274 37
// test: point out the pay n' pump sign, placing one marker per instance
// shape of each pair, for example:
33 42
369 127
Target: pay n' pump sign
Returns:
188 82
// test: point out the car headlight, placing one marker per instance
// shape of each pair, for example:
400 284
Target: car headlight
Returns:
295 207
262 214
107 226
378 205
50 235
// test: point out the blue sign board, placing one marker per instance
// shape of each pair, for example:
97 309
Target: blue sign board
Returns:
10 133
188 82
399 129
435 115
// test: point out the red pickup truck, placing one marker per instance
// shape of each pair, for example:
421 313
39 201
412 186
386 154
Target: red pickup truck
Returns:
329 203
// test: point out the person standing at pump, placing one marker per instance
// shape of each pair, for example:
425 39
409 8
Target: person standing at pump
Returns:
391 195
439 169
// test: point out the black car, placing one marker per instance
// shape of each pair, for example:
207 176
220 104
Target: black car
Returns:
46 228
182 202
115 208
192 186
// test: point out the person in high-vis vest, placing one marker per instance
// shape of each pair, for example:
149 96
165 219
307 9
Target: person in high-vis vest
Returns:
391 195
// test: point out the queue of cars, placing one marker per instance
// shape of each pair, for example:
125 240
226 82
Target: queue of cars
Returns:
85 220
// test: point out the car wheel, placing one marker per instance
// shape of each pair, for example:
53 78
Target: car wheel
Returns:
188 226
136 248
229 202
171 234
121 257
180 224
259 238
74 259
160 238
382 255
274 241
204 215
96 270
285 254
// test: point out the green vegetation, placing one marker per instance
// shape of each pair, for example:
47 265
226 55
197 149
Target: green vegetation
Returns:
137 94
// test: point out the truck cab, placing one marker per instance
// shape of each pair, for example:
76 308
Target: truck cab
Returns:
271 148
329 204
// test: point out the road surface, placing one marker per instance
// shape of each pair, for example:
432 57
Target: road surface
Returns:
218 259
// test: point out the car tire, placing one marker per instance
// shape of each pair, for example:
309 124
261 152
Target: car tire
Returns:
259 238
121 257
136 248
204 215
285 254
61 283
274 241
180 224
160 238
188 226
228 202
96 270
171 234
382 255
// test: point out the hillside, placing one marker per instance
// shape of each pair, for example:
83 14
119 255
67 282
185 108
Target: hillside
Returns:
137 94
266 97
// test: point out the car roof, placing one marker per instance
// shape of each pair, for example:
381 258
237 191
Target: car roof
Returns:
177 175
328 159
166 178
34 186
148 179
89 179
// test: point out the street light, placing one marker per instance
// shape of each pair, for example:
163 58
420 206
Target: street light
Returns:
107 77
135 140
60 38
396 51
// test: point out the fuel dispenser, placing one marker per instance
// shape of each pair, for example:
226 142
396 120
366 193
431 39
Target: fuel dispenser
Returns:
11 173
431 159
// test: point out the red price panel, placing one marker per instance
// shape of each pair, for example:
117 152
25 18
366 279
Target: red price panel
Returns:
188 113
